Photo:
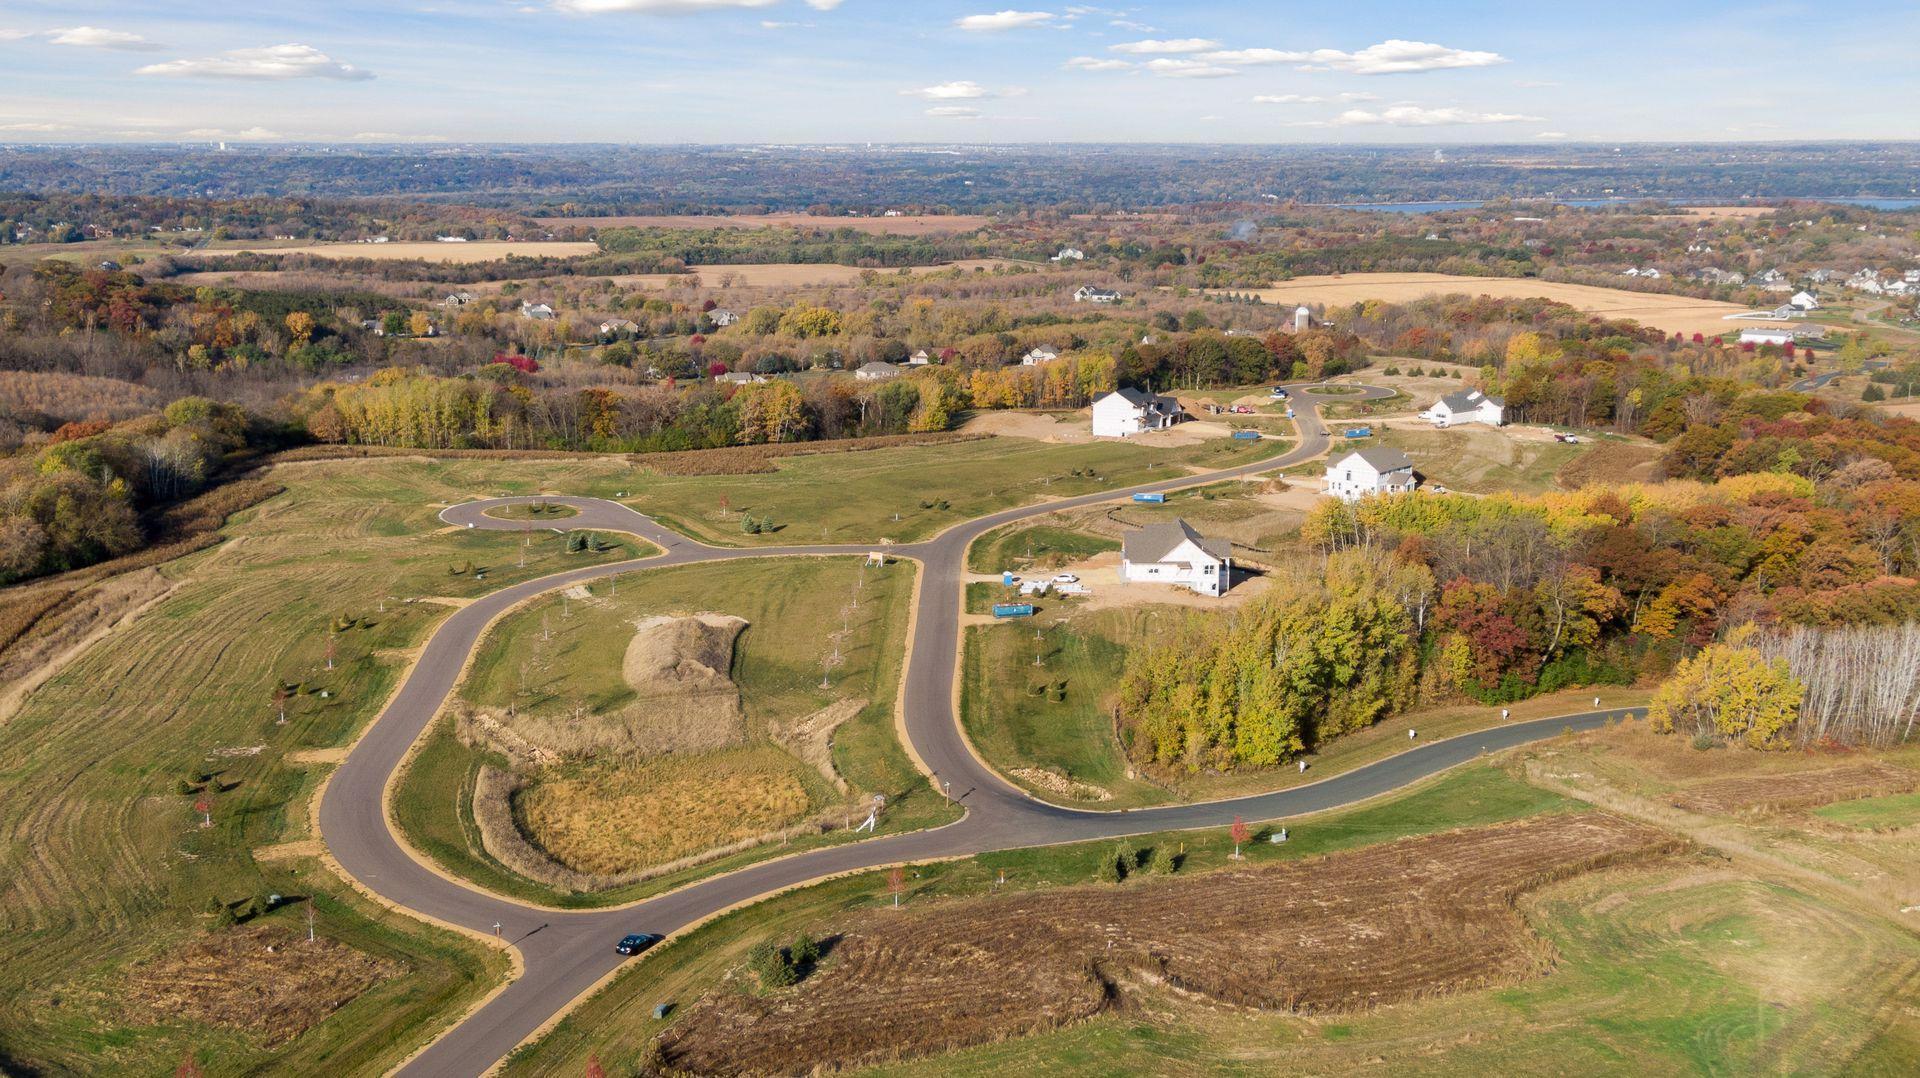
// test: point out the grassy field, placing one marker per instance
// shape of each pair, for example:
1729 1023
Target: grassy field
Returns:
1021 546
903 225
1874 813
1673 314
1479 460
797 274
868 496
103 866
556 655
474 251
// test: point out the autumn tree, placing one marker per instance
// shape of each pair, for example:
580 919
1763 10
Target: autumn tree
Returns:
300 325
1731 689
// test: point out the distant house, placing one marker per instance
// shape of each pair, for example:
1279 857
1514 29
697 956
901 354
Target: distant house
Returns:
1376 470
457 299
740 378
1805 301
1126 412
877 370
613 326
1069 254
539 312
450 239
110 266
1173 553
919 359
1759 337
1039 354
723 317
1466 406
1086 293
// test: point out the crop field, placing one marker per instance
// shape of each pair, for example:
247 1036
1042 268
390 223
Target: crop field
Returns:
797 274
562 657
103 864
1807 789
903 225
912 492
1673 314
1403 920
429 251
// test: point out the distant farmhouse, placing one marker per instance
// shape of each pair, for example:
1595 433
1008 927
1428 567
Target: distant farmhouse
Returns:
614 326
1366 472
1126 412
877 370
1466 406
1086 293
1758 337
723 317
1069 254
919 359
539 312
740 378
1173 553
457 299
1040 354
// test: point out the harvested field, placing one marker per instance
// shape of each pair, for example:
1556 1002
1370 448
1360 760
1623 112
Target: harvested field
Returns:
261 979
1611 463
793 274
905 225
1399 921
1673 314
618 817
477 251
1806 789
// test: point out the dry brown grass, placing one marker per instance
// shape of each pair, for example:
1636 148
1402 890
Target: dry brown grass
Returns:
793 274
1398 921
478 251
1673 314
614 818
1611 463
905 225
754 459
261 979
75 396
1807 789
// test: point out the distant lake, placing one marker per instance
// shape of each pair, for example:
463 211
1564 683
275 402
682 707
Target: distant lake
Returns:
1474 204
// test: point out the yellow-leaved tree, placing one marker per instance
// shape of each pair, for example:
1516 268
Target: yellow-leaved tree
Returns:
1731 689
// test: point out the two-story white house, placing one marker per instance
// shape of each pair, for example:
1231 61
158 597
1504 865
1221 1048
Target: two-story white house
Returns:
1171 552
1466 406
1039 354
1126 412
1374 470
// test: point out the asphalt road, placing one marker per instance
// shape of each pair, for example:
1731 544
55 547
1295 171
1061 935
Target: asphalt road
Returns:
566 952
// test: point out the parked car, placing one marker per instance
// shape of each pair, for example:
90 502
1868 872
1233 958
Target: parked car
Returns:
1279 394
1066 578
635 942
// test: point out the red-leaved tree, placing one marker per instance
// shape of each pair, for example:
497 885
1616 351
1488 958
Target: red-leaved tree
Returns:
1240 835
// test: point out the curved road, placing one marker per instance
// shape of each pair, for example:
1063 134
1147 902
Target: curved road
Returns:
566 952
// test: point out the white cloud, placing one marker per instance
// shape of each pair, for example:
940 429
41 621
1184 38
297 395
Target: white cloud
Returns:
1003 20
1188 69
823 5
1359 95
251 134
1551 135
950 91
1129 24
272 62
1151 47
955 112
12 35
389 136
33 127
1287 99
1390 57
1419 116
1098 63
656 7
93 37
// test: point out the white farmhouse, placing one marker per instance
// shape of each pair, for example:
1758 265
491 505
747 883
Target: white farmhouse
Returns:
1759 337
740 378
1088 294
1173 553
1365 472
539 312
1466 406
877 370
1069 254
1805 301
1126 412
919 359
1040 354
723 317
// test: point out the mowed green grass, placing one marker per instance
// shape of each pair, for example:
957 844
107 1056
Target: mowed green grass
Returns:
617 1024
102 864
555 654
1019 546
868 496
1874 813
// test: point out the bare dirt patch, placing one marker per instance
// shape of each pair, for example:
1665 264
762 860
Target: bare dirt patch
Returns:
1397 921
810 738
260 979
1035 426
904 225
1807 789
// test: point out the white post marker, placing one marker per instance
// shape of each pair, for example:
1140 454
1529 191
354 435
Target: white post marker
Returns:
1503 714
1409 735
1303 767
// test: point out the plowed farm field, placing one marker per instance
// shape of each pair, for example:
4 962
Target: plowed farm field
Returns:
1399 921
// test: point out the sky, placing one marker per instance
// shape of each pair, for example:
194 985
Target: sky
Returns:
838 71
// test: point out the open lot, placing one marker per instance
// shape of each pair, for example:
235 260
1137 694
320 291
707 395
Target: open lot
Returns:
1476 459
1673 314
903 225
429 251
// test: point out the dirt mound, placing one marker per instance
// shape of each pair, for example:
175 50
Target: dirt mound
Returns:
686 701
1397 921
1778 793
262 979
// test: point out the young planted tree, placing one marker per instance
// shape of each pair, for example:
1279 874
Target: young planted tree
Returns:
1240 835
896 883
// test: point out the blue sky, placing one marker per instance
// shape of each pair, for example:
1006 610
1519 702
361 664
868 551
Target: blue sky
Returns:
940 71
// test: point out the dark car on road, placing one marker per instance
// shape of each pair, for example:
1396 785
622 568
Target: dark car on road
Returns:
635 942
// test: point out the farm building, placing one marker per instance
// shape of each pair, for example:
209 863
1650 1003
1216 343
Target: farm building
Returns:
919 359
722 316
1766 336
614 326
1466 406
876 370
1126 412
1069 254
457 299
1086 293
1173 553
1302 319
1365 472
539 312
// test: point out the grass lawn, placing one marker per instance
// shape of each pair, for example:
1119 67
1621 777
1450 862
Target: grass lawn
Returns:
1019 546
617 1024
874 495
103 864
533 511
555 654
1874 813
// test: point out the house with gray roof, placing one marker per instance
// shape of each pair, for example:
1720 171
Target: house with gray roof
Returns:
1171 552
1466 406
1126 412
1374 470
